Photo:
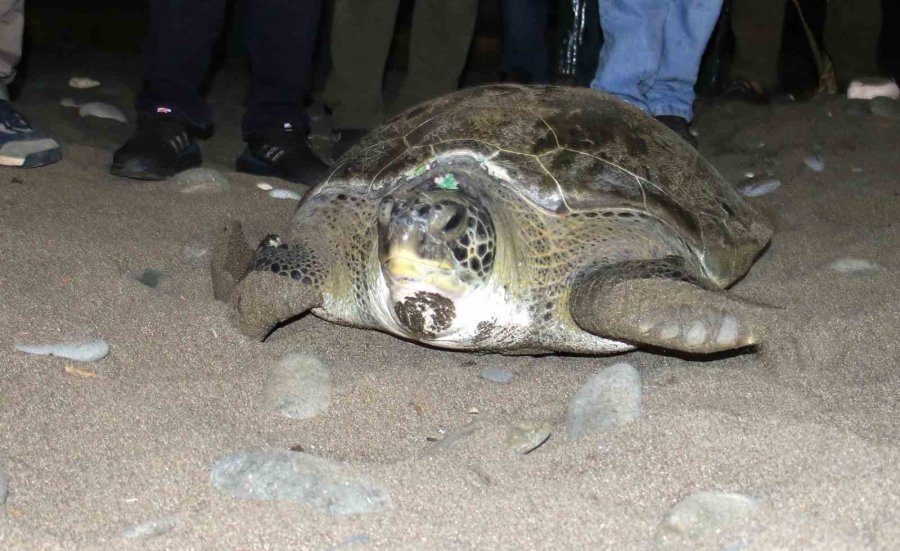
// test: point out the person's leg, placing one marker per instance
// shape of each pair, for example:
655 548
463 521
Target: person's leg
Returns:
888 44
632 48
757 26
688 27
12 23
360 43
525 54
20 145
851 37
282 40
441 35
177 53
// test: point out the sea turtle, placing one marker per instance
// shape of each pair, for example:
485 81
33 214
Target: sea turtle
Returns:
513 219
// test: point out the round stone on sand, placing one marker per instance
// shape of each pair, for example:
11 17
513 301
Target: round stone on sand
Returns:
102 110
298 386
201 180
610 398
849 265
80 351
151 528
298 477
701 519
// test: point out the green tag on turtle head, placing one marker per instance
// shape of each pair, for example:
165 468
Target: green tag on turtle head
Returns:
447 181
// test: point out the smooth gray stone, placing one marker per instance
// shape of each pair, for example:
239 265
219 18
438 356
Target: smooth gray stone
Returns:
299 477
702 516
4 486
87 351
151 528
452 438
610 398
850 265
525 437
201 180
814 163
496 375
298 386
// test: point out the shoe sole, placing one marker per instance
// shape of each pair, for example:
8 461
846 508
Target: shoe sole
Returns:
135 169
250 164
33 160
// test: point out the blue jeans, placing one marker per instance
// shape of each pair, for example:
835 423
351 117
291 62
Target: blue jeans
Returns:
651 52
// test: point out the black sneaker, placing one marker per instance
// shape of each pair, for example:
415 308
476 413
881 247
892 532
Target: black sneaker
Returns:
349 137
161 147
283 153
680 126
20 145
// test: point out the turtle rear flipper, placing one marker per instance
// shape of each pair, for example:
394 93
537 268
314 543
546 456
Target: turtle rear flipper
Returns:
676 314
265 287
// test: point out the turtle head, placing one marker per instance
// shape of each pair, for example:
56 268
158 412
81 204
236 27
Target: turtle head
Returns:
436 245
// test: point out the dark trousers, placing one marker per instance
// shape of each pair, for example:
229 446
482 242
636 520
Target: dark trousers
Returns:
525 53
281 37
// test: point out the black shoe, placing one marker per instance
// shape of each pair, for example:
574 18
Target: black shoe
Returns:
680 126
349 138
284 154
161 147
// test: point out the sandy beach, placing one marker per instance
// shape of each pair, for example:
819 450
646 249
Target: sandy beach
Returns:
806 424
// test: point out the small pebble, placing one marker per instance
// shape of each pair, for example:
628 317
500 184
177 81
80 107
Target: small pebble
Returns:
102 110
88 351
285 194
201 180
749 175
760 186
473 411
700 519
298 477
151 528
496 375
4 486
886 107
152 278
298 386
610 398
68 102
848 265
814 163
264 186
523 438
83 82
451 438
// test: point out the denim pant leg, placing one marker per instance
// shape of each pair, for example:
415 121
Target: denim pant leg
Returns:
282 41
177 53
525 52
688 28
632 48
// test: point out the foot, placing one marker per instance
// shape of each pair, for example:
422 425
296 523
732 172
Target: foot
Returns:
161 147
680 126
20 145
349 138
283 153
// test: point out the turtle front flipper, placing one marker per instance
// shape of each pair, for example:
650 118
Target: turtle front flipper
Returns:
656 303
267 287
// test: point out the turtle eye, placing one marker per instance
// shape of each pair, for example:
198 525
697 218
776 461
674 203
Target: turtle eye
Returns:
454 222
